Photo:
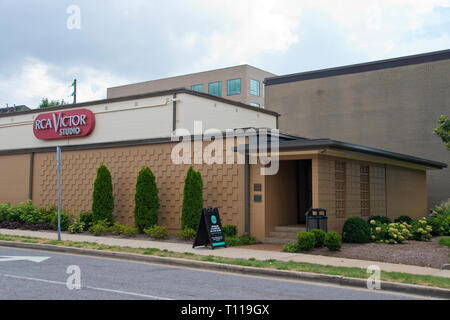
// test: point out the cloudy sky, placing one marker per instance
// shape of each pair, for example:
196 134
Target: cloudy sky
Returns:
44 46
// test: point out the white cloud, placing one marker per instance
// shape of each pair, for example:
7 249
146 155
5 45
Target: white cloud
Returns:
36 79
375 27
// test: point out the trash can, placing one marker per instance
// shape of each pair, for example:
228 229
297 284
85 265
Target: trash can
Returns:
316 219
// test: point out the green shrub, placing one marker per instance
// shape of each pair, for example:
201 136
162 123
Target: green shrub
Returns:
421 231
229 231
77 227
157 232
123 230
442 208
86 218
146 200
333 241
187 234
306 241
13 214
192 200
100 227
48 214
103 199
65 221
291 247
356 230
319 236
4 211
244 240
402 219
440 223
28 213
445 241
381 219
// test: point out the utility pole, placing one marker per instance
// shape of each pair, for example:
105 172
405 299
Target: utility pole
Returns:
74 94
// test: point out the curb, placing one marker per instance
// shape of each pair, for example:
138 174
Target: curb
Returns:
432 292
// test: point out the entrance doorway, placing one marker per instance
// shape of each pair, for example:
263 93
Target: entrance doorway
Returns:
304 189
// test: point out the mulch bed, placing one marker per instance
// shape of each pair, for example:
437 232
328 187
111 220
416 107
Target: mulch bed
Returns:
417 253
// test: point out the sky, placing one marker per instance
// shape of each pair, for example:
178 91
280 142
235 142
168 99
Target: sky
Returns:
45 44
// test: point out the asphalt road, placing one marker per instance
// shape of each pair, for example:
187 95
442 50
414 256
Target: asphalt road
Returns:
120 280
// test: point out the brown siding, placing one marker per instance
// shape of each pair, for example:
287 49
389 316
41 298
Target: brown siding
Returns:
281 197
406 192
223 184
14 178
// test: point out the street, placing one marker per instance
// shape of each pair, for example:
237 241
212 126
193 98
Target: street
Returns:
31 274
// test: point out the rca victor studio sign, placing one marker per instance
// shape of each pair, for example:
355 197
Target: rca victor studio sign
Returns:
64 124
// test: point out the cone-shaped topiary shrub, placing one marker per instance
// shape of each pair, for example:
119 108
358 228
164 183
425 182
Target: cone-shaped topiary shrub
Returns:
146 200
103 199
192 200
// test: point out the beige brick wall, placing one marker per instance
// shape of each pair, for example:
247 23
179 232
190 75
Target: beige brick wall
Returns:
327 190
223 184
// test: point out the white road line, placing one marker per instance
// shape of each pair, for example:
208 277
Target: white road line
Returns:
86 287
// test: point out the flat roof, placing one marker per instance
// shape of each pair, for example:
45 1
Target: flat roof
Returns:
362 67
310 144
143 96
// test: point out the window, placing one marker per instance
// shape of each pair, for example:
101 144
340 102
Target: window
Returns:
254 87
233 87
365 190
340 186
254 104
197 87
215 88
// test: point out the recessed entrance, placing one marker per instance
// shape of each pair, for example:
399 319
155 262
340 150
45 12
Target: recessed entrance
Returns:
304 189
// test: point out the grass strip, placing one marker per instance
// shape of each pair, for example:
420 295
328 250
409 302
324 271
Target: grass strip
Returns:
349 272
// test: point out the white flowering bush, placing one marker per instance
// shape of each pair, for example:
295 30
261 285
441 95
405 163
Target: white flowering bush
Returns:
391 233
421 230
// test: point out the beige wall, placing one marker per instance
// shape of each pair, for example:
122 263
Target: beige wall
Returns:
14 178
327 190
244 72
406 192
393 109
281 197
257 209
223 184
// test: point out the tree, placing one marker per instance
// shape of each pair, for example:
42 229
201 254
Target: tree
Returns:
53 103
146 200
443 130
192 200
103 199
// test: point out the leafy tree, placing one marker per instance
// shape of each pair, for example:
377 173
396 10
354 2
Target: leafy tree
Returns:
192 200
146 200
45 103
103 199
443 130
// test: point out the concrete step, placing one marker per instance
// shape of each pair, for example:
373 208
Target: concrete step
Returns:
270 240
293 229
283 235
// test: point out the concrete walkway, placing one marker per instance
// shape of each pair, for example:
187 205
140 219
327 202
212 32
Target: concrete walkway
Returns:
232 252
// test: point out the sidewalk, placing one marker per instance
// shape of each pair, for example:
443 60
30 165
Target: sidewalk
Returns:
232 252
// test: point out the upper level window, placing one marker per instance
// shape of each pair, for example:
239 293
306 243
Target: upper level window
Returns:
197 87
215 88
255 104
233 87
254 87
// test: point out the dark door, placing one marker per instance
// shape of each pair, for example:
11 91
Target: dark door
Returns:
304 189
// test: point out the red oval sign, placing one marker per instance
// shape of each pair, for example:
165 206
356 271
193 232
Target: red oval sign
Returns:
64 124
